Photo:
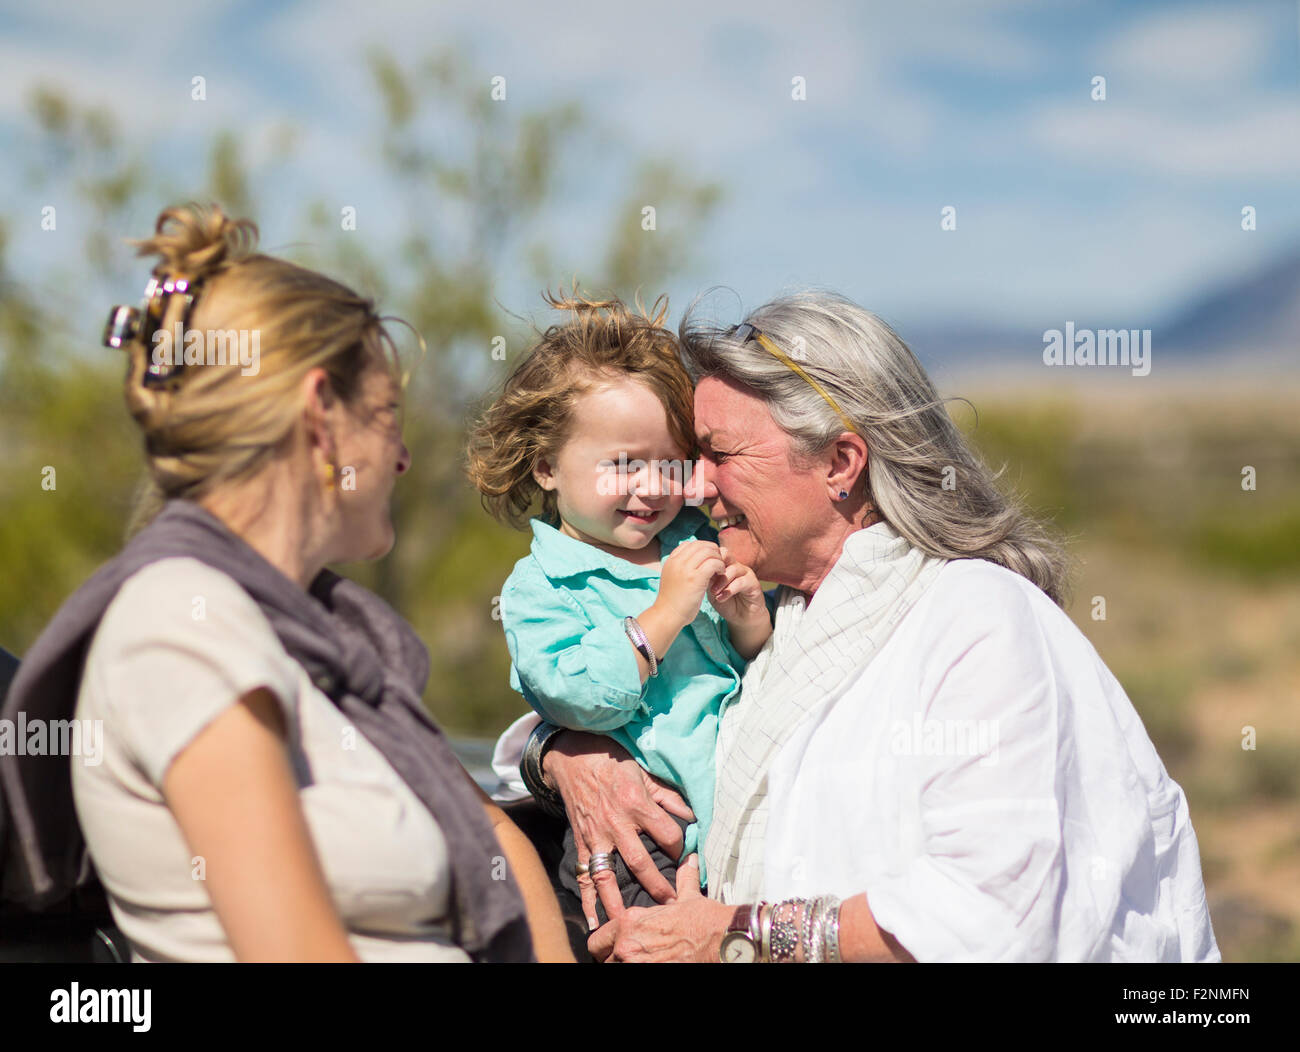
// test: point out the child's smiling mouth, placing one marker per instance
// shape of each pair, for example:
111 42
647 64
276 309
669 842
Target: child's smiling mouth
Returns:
642 517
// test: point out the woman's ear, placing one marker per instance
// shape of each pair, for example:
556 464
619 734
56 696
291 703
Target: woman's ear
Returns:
849 459
318 401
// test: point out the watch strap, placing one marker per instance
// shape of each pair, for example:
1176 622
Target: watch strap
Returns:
740 920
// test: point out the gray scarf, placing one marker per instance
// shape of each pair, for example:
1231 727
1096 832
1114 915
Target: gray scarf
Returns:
356 649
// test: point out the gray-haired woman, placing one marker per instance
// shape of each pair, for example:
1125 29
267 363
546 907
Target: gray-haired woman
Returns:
928 760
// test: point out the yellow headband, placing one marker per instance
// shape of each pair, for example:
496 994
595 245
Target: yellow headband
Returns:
779 355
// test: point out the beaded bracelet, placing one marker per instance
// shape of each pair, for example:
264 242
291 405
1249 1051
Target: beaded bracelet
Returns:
810 924
810 953
806 926
785 933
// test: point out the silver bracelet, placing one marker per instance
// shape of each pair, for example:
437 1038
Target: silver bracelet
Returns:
826 925
805 925
755 930
642 642
833 934
813 954
530 770
821 910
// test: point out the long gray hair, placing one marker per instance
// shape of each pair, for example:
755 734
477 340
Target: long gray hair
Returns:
914 447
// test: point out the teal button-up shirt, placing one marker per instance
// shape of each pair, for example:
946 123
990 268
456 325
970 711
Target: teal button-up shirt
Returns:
563 607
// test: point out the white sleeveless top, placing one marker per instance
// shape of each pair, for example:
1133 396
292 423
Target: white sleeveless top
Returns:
179 644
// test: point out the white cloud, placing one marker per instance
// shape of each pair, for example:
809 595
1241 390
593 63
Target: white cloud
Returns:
153 97
1005 262
971 42
665 74
668 80
1203 50
1256 137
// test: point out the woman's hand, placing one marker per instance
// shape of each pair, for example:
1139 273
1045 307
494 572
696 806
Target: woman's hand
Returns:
737 595
690 929
611 800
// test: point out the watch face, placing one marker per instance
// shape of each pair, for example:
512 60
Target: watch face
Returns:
737 948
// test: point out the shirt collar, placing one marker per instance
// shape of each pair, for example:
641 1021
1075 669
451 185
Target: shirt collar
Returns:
560 555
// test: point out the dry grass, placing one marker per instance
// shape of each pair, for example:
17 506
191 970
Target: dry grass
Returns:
1202 586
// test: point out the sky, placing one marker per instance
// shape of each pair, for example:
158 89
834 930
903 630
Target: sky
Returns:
1117 210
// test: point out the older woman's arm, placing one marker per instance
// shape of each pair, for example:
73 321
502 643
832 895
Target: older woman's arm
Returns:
691 929
862 939
611 799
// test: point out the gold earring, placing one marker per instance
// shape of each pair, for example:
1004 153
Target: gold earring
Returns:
329 476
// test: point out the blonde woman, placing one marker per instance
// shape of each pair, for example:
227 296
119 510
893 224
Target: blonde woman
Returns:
271 788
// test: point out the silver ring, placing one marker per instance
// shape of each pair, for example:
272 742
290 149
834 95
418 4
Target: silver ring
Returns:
601 862
581 869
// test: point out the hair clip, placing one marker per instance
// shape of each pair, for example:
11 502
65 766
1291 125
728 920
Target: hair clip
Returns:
131 323
745 332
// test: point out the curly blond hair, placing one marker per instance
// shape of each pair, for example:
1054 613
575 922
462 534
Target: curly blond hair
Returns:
531 417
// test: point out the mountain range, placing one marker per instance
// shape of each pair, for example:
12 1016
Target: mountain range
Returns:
1251 320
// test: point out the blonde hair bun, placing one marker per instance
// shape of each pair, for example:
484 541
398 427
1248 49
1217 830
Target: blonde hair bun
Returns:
196 241
223 420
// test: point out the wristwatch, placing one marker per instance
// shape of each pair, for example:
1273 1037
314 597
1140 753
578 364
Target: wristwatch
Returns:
740 941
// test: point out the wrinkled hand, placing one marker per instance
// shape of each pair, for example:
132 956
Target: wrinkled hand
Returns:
611 800
690 929
736 593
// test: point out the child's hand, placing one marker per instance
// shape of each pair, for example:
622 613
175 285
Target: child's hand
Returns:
685 578
737 596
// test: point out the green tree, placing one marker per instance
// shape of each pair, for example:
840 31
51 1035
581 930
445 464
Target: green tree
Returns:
474 183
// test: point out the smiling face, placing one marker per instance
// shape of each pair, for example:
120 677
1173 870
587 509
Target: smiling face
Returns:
621 421
772 508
